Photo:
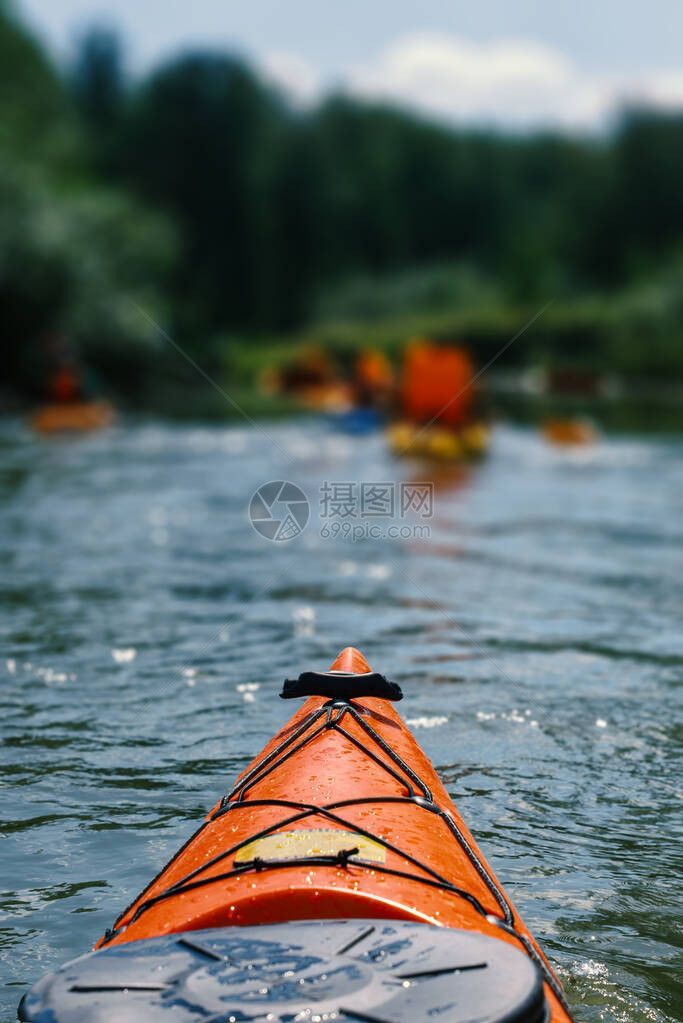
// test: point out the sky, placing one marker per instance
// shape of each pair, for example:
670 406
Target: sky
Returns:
521 65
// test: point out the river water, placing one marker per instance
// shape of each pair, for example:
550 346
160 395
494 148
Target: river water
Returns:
536 633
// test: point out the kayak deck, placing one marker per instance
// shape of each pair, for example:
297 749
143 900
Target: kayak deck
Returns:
324 970
342 816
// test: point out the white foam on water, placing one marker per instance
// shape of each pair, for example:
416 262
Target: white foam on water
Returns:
515 716
348 568
124 655
304 621
49 675
427 722
590 968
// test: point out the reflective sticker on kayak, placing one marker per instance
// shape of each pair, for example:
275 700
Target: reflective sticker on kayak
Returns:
287 845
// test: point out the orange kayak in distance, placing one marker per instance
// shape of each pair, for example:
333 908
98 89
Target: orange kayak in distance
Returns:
73 417
340 822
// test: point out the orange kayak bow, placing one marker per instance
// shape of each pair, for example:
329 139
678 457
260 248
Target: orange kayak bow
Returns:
340 818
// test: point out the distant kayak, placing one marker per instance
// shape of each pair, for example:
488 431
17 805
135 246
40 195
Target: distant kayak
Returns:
337 880
438 442
357 422
72 417
568 432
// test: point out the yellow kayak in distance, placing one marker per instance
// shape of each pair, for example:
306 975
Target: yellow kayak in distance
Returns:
439 443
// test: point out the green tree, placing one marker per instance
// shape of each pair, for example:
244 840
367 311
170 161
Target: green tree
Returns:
98 87
72 252
199 142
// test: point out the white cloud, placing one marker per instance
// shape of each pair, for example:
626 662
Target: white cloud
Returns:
293 74
664 89
511 82
517 82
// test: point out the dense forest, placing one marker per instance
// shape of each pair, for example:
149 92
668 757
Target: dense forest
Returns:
202 196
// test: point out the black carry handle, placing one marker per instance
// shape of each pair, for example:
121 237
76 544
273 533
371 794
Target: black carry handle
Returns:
340 685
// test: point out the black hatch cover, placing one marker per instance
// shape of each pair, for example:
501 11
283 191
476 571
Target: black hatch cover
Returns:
376 971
